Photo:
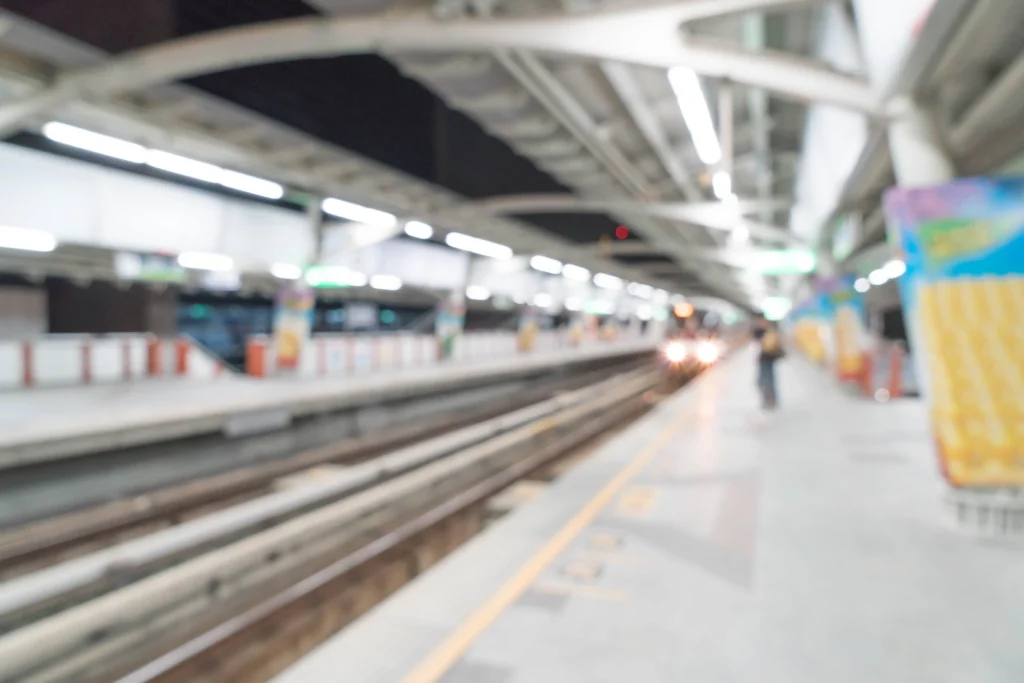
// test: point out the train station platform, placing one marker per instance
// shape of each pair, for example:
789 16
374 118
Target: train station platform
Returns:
50 424
713 543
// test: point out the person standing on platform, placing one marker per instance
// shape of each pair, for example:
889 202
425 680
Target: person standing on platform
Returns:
766 333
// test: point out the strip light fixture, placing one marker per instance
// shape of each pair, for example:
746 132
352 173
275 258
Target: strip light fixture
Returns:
546 265
358 213
286 271
721 183
577 273
605 281
478 293
419 230
476 245
201 260
694 105
134 153
26 239
390 283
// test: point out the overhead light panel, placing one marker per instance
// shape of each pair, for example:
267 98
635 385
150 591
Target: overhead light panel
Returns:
334 277
478 293
26 239
201 260
546 265
605 281
95 142
721 183
894 269
358 213
575 273
286 271
543 300
251 184
574 304
862 285
694 105
475 245
190 168
639 290
878 277
419 230
390 283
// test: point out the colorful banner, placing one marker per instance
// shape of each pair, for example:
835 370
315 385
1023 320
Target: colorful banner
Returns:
293 320
963 296
849 327
529 326
451 317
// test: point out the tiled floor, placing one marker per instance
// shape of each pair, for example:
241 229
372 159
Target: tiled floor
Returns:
806 546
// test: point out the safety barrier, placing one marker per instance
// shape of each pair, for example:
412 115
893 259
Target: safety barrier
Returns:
328 355
79 359
887 372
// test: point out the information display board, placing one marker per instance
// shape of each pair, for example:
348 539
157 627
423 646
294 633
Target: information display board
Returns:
963 295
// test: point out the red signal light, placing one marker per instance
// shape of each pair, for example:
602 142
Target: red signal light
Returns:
622 232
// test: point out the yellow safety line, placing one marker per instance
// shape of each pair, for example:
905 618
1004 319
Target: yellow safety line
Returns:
444 657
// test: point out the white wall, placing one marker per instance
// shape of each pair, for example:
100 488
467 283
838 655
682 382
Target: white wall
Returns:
84 203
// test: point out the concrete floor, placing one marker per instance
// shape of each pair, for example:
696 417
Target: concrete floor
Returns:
712 543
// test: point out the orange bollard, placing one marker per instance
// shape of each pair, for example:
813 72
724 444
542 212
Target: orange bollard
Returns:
256 357
867 375
154 356
895 372
181 348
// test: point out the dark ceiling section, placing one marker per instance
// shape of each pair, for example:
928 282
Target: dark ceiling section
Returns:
361 103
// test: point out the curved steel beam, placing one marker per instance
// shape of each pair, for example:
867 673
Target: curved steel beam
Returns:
647 36
714 215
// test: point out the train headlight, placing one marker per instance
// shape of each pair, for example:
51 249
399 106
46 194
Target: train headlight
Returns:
676 352
707 352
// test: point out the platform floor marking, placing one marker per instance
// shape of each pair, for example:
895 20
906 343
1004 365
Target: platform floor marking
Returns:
445 656
580 590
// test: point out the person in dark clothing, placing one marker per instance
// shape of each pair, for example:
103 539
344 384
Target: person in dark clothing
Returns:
766 333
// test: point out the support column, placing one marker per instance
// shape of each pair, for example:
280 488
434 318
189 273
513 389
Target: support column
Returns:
315 222
919 156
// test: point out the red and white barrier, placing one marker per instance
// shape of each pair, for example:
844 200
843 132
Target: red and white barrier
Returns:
79 359
882 372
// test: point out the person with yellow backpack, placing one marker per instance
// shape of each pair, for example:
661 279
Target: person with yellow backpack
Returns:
767 335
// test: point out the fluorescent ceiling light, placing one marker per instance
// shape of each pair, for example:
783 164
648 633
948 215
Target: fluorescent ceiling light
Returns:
776 307
862 285
390 283
358 213
543 300
478 293
644 312
519 298
574 304
190 168
575 273
201 260
639 290
605 281
878 277
26 239
457 240
419 230
894 269
286 271
721 183
546 265
95 142
251 184
694 106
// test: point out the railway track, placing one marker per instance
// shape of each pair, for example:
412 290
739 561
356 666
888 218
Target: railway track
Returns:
34 546
252 597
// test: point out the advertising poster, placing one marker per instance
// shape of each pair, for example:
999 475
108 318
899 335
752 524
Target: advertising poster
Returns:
810 329
293 320
849 327
529 326
451 317
963 295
